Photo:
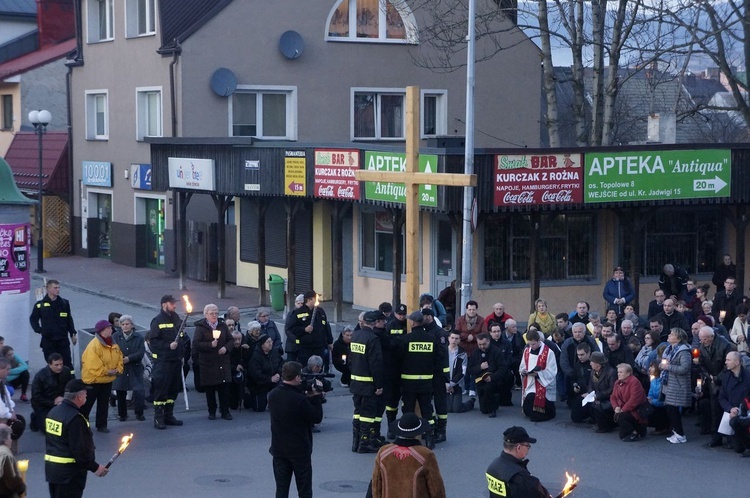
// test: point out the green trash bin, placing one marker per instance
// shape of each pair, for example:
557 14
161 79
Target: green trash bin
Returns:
276 287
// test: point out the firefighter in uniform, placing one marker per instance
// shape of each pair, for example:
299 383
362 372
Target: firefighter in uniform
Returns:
70 445
507 475
366 385
442 374
166 351
51 318
395 332
311 337
419 361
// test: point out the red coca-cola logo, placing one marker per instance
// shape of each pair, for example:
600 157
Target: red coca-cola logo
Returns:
560 196
346 192
326 191
522 198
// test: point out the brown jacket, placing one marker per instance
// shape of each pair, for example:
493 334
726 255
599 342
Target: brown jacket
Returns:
406 472
464 330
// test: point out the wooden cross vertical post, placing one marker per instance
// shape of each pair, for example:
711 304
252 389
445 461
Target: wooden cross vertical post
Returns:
412 178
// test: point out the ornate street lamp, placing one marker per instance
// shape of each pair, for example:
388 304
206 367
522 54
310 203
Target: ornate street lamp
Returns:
40 120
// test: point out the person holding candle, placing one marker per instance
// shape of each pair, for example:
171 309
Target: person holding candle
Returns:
675 374
70 451
213 342
726 302
11 480
309 327
341 353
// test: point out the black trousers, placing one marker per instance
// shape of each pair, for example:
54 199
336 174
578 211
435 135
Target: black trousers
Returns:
675 418
366 408
603 415
139 403
21 381
62 347
166 381
578 412
99 394
223 391
628 424
301 467
72 489
741 438
410 402
258 399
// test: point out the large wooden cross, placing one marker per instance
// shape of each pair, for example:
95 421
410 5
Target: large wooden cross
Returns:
412 178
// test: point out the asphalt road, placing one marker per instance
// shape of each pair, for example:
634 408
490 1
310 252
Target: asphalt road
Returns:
231 459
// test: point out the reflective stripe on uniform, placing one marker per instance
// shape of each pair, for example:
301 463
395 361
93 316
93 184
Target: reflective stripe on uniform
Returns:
362 379
496 486
414 377
57 459
446 370
166 325
53 426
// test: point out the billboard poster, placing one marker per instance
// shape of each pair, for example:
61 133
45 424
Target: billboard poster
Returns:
657 175
396 192
536 179
334 174
295 173
14 258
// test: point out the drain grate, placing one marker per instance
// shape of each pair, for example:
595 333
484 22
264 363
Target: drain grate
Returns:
222 481
345 486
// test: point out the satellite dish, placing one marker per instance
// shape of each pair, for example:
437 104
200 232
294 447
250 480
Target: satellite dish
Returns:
291 44
223 82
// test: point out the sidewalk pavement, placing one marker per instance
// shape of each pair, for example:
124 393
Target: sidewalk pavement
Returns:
144 287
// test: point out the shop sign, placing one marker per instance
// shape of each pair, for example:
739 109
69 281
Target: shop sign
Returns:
14 258
396 192
334 174
657 175
190 173
140 176
536 179
97 174
295 169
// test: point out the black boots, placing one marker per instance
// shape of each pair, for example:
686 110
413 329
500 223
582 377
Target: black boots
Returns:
355 435
428 438
440 430
169 415
367 441
391 417
159 417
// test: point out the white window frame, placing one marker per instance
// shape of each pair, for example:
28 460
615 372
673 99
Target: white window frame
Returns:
92 20
259 90
142 111
91 131
441 110
131 18
407 16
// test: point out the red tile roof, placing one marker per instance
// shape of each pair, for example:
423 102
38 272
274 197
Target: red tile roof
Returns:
36 59
23 157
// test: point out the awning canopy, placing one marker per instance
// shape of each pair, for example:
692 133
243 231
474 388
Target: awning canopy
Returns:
23 157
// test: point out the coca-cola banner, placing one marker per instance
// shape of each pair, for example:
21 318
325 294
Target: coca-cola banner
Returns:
538 179
334 174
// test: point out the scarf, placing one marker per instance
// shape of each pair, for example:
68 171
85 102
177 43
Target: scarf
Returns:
106 340
471 322
540 392
669 354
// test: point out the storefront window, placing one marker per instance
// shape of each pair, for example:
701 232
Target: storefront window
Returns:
377 242
155 233
566 249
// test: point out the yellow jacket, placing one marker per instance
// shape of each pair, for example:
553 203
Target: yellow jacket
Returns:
98 359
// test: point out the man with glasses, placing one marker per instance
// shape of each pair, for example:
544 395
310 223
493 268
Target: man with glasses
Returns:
507 475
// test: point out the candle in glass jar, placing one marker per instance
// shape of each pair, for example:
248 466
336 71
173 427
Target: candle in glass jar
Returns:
343 358
23 465
698 385
722 315
217 334
696 353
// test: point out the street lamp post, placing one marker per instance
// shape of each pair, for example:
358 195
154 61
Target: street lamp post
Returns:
40 120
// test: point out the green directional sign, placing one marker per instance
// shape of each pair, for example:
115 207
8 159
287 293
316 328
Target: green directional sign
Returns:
396 192
656 175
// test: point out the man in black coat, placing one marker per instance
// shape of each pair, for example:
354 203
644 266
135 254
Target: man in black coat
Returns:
507 475
673 281
672 318
490 368
711 359
568 355
726 302
47 389
618 352
52 319
656 306
293 414
517 345
309 327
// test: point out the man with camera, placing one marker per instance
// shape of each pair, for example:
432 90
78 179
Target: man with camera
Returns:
293 414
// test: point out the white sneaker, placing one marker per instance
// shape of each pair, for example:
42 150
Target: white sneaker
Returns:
676 438
473 394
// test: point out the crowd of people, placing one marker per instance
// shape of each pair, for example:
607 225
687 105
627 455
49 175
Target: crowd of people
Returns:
613 370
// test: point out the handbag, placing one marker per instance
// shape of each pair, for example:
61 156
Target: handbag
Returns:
645 410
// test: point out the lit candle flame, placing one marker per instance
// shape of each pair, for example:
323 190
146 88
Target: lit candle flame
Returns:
23 465
188 306
217 334
570 483
125 443
317 302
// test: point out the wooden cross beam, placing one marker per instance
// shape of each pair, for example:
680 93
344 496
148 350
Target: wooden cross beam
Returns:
412 178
